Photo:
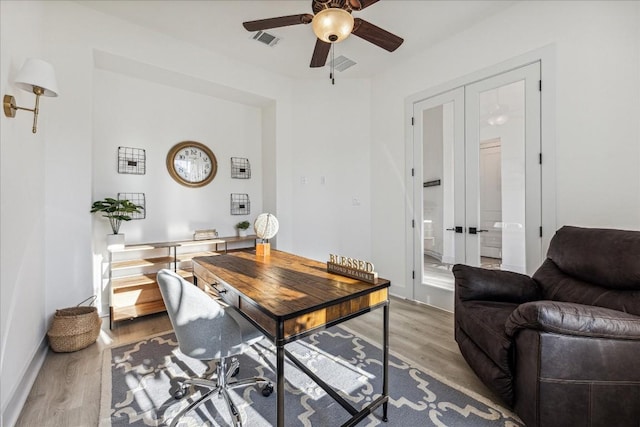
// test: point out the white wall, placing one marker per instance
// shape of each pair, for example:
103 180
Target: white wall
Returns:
332 142
132 112
22 211
597 134
156 117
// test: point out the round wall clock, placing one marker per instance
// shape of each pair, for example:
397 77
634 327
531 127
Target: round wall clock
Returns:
192 164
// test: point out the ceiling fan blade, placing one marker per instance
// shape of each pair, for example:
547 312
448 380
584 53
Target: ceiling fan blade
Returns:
320 54
281 21
376 35
361 4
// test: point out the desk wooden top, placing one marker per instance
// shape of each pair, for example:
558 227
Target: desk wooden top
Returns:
284 285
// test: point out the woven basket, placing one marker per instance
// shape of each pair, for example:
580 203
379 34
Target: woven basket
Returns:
74 328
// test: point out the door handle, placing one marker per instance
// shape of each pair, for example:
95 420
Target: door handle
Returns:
474 230
456 229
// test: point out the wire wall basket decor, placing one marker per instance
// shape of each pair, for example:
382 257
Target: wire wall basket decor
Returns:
240 204
132 160
240 168
138 199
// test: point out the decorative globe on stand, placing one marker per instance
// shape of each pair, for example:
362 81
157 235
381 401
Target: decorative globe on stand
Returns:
266 226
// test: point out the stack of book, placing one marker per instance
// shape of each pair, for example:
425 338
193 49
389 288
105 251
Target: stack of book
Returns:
205 234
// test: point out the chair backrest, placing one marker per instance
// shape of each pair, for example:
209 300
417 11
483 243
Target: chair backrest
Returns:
590 266
606 257
203 329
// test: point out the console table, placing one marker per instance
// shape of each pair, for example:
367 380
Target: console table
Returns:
133 290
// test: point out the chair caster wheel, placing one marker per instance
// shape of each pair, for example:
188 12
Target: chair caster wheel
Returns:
267 390
180 393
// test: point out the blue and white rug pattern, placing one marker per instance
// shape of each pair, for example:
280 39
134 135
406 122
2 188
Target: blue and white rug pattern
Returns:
139 380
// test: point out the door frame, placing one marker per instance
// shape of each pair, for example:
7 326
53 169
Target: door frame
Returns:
547 58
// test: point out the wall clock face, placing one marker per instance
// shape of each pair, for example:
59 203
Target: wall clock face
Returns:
192 164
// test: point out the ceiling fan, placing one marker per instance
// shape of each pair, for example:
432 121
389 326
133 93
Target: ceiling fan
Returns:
332 22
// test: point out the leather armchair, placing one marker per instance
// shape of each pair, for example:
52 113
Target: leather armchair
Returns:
562 348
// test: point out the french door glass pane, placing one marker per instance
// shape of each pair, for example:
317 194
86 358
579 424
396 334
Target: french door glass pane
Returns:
438 195
501 184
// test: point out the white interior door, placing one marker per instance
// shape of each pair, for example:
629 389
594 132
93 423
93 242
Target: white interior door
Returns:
477 197
438 194
503 184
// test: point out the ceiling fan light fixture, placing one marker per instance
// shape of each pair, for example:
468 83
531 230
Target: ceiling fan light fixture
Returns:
332 25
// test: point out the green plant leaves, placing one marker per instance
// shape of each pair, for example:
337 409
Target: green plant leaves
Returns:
115 210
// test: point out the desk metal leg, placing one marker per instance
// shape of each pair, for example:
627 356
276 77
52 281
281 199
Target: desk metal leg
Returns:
385 362
280 384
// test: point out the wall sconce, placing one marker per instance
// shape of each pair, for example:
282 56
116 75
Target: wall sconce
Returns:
35 76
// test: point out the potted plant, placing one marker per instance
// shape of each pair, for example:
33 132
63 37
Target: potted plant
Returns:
115 211
242 228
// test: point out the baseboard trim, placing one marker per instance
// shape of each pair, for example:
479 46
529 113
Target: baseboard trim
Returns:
11 412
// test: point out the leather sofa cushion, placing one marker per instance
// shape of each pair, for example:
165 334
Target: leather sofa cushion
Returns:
574 320
605 257
484 322
558 286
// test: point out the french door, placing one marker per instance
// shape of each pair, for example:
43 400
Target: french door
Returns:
477 196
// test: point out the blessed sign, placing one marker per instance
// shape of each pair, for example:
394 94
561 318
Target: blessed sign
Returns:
351 267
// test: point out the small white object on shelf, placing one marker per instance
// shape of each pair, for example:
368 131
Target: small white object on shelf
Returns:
266 226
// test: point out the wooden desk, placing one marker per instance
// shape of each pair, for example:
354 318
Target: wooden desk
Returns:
288 297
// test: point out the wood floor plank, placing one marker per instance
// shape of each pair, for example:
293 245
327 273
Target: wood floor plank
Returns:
67 390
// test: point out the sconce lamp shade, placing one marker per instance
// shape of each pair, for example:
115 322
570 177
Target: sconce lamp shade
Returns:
36 72
332 25
35 76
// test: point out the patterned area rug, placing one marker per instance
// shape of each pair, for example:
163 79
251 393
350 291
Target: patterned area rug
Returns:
139 379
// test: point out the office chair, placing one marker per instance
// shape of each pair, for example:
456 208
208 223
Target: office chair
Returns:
207 331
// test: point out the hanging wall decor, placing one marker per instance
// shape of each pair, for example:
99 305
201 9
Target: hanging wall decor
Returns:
240 168
240 204
138 199
131 160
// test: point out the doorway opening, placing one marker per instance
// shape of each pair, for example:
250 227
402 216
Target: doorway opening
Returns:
477 180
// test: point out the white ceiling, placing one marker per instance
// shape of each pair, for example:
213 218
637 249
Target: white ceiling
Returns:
216 25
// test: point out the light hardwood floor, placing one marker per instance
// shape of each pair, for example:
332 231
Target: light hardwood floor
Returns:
67 390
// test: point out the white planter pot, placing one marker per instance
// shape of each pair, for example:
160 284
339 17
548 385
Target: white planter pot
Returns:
242 233
115 242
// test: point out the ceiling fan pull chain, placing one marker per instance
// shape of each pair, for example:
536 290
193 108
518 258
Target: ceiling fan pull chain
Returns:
333 63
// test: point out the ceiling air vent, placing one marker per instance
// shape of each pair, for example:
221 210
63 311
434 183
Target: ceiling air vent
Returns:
266 38
341 63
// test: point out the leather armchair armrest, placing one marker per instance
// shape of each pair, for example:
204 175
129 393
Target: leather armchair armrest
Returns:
574 319
474 283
